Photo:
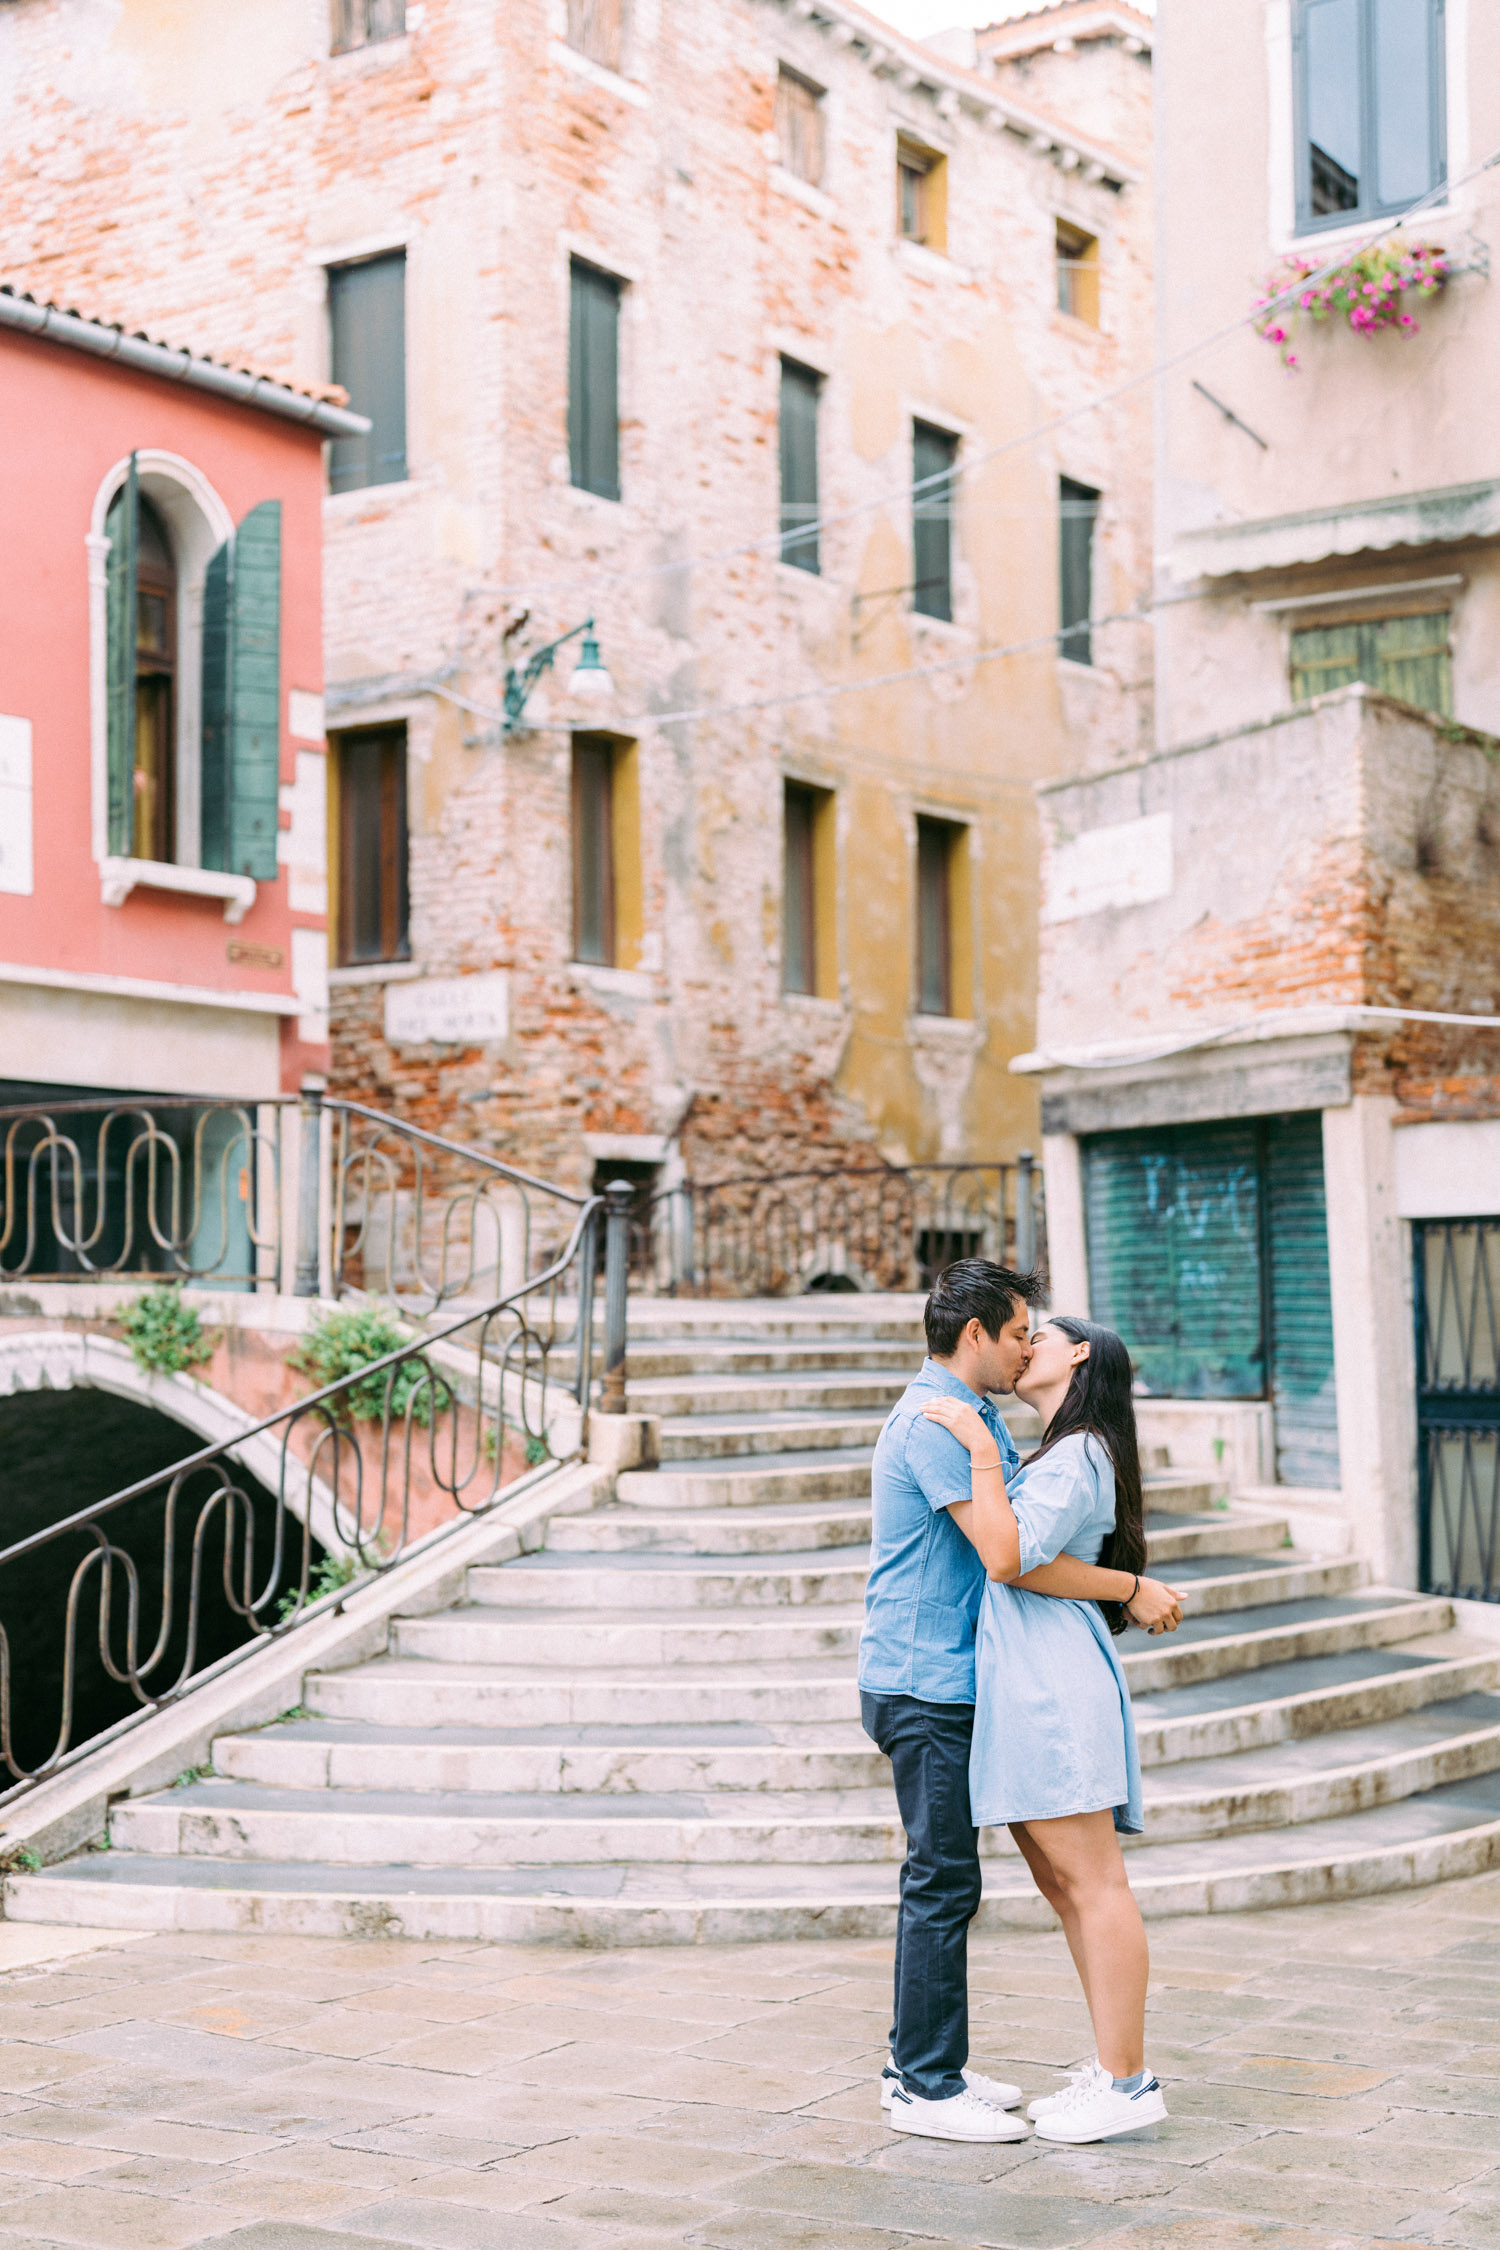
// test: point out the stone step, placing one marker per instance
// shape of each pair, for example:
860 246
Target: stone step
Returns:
393 1691
1184 1492
736 1755
1292 1785
1170 1537
1205 1646
898 1317
748 1482
1304 1697
556 1581
803 1526
1445 1832
847 1392
748 1354
706 1437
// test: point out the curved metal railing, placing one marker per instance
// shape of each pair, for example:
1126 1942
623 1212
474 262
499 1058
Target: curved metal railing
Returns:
310 1497
871 1226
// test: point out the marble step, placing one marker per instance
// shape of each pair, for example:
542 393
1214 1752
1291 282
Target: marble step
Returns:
757 1789
750 1354
557 1579
1446 1832
896 1317
1302 1698
849 1391
804 1524
749 1482
418 1692
708 1436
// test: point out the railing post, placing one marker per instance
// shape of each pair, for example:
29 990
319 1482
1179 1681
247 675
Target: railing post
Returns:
1025 1213
309 1186
618 1197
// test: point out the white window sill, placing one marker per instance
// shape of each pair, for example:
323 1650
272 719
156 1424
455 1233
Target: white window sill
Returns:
814 199
372 495
376 972
813 1004
119 877
639 984
958 1028
1353 233
598 74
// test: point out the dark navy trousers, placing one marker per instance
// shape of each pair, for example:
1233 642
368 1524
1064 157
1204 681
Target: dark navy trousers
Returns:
928 1746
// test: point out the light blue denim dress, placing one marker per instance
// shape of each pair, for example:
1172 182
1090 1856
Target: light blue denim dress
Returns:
1053 1732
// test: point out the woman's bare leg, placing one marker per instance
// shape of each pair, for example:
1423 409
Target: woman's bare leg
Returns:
1088 1869
1055 1895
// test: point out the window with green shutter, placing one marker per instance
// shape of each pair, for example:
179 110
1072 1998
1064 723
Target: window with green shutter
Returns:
1410 657
594 381
242 698
799 465
934 453
367 338
1077 513
123 527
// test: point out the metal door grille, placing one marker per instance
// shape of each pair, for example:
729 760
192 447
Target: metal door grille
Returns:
1457 1293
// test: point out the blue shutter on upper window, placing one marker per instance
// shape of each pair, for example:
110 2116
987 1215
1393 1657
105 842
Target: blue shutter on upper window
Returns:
123 527
242 698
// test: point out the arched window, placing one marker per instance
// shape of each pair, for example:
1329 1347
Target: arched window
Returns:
187 728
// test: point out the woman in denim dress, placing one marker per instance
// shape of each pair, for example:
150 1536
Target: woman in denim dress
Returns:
1054 1752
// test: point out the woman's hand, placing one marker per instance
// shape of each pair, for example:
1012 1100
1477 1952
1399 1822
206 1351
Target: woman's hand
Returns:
1156 1607
965 1424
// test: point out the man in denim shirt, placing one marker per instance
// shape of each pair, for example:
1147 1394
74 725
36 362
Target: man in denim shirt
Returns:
916 1680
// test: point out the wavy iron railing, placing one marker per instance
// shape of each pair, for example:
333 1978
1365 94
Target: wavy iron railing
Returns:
859 1226
309 1498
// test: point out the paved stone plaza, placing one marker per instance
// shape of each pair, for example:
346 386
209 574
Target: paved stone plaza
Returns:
1334 2075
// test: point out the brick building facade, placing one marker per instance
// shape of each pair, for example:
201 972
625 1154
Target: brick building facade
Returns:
658 310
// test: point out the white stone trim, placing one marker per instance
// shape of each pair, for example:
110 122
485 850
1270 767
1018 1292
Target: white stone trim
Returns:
119 877
149 988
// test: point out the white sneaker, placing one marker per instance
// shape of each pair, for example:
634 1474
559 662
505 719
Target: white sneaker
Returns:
1045 2103
961 2117
996 2090
1095 2112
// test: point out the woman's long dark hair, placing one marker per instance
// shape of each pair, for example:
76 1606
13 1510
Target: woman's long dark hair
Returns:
1098 1403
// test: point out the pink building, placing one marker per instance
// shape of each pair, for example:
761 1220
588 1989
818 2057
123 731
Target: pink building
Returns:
163 874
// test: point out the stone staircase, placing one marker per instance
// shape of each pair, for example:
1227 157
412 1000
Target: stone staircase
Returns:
649 1732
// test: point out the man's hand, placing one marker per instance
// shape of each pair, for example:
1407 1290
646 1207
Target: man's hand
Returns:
1156 1607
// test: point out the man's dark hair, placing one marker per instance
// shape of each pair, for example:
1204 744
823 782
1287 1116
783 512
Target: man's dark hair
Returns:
975 1289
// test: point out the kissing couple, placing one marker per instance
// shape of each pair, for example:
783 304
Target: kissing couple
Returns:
989 1678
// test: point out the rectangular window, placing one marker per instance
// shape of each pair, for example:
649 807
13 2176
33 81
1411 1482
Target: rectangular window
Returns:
1409 657
1078 273
360 23
1370 125
1077 512
596 28
367 328
934 453
807 920
921 195
594 381
942 910
370 782
799 465
799 126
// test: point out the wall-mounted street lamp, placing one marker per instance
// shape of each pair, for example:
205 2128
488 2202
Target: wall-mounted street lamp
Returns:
590 679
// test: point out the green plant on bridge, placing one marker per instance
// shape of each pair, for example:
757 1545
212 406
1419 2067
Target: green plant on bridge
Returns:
339 1344
328 1577
166 1337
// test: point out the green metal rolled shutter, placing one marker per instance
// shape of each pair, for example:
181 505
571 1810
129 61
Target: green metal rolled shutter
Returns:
1301 1307
122 525
799 465
594 382
1173 1220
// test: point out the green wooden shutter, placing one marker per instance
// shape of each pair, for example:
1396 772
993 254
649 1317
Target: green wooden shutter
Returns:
255 674
1412 659
933 453
123 527
594 381
799 465
1324 657
1173 1220
1301 1307
215 725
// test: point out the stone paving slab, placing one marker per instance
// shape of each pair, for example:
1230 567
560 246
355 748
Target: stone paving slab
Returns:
1333 2074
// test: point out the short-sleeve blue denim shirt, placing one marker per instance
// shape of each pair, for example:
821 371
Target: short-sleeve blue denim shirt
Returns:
926 1579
